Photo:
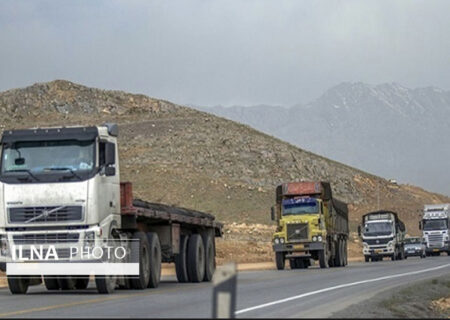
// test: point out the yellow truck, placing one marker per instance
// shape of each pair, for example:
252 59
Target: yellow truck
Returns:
311 224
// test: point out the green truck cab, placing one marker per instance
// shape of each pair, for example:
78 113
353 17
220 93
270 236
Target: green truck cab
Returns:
311 224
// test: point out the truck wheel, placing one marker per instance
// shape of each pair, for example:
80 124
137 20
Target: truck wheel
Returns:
210 262
280 260
155 260
141 253
180 260
66 283
196 258
323 258
366 258
105 284
82 282
345 253
18 284
293 263
51 283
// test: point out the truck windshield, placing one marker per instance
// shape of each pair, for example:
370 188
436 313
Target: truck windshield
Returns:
378 229
38 160
435 224
300 206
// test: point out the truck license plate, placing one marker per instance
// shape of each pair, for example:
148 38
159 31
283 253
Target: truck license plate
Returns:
378 250
299 247
435 250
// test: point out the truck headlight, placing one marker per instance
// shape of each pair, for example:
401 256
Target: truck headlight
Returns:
319 238
365 245
3 245
89 239
276 240
314 238
390 244
281 240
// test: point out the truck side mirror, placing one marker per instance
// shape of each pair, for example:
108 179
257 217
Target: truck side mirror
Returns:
110 153
420 225
110 171
359 231
272 213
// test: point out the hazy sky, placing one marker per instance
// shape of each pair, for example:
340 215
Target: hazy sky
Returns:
225 52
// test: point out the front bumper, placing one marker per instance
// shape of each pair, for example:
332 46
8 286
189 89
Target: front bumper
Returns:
65 249
298 247
384 251
444 248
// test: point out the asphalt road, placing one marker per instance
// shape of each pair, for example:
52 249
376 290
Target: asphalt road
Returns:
290 293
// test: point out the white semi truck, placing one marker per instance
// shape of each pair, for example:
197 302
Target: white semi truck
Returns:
435 227
383 235
60 187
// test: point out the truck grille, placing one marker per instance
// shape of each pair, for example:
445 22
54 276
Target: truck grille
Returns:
46 238
63 213
435 240
374 242
297 232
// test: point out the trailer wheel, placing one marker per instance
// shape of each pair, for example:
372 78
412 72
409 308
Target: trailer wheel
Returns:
155 260
337 257
280 260
82 282
66 283
18 284
323 258
51 283
180 260
341 253
196 258
141 253
210 261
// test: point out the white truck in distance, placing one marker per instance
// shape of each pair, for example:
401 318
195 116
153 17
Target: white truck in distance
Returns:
60 187
383 235
435 227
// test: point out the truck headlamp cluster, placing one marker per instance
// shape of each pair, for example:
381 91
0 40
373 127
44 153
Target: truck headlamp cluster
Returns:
3 245
278 240
89 239
390 244
314 238
317 238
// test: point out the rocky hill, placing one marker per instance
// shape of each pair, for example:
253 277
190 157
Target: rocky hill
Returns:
180 156
386 129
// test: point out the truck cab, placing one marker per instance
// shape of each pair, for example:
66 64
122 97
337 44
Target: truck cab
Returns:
435 228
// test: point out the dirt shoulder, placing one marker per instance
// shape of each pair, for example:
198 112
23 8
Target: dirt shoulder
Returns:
425 299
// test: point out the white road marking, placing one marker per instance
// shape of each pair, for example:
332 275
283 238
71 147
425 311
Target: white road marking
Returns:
265 305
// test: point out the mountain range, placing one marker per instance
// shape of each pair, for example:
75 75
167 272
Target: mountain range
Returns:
387 129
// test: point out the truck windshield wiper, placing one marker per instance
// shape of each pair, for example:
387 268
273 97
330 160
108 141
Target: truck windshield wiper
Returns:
65 169
25 170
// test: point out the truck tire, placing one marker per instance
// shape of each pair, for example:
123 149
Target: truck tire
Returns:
323 259
82 282
18 284
66 283
345 253
280 260
366 258
293 263
180 260
51 283
155 260
141 251
105 284
210 260
341 253
196 258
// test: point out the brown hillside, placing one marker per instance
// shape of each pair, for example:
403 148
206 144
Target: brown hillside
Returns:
181 156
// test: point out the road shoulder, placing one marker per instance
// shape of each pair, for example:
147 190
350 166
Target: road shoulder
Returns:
407 301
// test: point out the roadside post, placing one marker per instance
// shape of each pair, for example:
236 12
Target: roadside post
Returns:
224 292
